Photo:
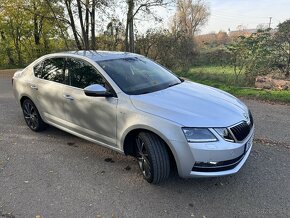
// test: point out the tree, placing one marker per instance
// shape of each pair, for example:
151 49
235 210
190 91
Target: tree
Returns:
68 5
262 26
171 50
115 30
27 29
44 14
222 38
13 26
189 17
85 10
282 43
252 55
134 8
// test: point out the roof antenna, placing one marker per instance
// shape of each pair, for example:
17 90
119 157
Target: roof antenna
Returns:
95 51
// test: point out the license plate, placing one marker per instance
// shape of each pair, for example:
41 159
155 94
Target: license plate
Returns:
248 144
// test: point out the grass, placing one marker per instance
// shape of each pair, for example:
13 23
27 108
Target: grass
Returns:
7 67
225 70
223 78
218 74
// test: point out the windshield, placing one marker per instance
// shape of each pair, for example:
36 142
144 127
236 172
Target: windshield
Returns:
137 75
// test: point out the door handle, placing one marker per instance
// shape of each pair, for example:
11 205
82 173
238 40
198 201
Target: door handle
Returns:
34 87
69 97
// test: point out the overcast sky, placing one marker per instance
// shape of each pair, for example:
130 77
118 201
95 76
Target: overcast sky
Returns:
228 14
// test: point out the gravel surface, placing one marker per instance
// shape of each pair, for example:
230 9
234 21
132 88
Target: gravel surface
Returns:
54 174
272 121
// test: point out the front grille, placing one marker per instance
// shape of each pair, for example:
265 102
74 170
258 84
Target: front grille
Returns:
217 166
241 131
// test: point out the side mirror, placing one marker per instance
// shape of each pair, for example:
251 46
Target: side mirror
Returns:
96 90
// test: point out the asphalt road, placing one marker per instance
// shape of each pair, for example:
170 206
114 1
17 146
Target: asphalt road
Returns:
54 174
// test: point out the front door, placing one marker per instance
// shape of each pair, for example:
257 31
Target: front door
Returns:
93 117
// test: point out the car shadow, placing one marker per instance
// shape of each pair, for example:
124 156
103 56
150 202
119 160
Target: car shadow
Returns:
109 156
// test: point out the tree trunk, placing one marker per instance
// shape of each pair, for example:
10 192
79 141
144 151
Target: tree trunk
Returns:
11 61
18 47
93 23
288 64
61 30
87 43
36 29
126 35
72 24
131 36
45 42
129 40
80 12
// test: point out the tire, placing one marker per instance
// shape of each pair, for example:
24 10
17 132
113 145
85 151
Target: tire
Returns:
32 116
153 158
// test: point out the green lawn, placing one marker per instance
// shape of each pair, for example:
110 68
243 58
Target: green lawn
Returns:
226 70
223 78
216 74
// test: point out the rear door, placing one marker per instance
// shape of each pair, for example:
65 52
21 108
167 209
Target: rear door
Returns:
48 86
94 117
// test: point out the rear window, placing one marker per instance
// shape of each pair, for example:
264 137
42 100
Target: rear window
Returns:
38 70
51 69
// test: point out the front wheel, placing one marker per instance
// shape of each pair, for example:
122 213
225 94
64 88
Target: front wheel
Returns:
32 117
153 158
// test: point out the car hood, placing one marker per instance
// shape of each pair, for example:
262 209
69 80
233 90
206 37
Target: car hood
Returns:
193 105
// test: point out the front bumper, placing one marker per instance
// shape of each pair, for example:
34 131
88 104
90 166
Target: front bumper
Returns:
214 159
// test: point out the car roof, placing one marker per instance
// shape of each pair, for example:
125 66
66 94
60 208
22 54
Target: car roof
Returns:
100 55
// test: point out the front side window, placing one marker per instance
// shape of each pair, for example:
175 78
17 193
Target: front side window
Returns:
137 75
53 70
82 74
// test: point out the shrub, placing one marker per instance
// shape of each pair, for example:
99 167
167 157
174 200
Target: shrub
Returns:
172 50
217 56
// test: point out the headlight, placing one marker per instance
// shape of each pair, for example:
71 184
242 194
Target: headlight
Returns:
224 133
199 135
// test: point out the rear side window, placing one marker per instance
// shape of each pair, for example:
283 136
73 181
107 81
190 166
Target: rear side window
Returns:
53 70
38 70
82 74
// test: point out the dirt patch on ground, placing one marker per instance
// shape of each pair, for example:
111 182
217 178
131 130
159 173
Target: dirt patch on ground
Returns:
265 141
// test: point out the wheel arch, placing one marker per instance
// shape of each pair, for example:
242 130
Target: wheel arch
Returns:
23 98
128 144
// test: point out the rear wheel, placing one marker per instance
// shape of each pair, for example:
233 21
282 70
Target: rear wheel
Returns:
153 158
32 117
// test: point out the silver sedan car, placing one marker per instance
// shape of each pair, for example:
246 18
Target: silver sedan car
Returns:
133 105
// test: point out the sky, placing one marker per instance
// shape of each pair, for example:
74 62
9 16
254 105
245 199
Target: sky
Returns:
228 14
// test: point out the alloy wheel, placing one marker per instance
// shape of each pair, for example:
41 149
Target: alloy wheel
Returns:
30 115
143 158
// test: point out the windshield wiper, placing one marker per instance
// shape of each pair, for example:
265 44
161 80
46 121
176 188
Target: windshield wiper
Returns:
173 84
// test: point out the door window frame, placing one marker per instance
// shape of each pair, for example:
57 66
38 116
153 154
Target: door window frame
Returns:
42 62
66 81
96 70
